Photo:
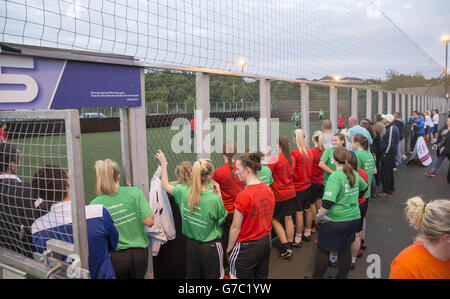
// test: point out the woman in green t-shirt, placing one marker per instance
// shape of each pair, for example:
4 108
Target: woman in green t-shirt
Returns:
366 162
340 210
130 211
326 161
202 213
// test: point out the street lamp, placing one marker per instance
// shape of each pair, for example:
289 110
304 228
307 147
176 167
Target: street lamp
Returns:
336 79
445 40
243 63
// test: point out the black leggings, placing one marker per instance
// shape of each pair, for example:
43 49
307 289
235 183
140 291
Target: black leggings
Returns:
321 263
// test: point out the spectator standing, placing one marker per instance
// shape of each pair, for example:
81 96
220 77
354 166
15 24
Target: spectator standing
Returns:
17 203
230 186
401 131
202 212
389 144
435 124
249 243
52 184
418 127
327 133
442 148
130 211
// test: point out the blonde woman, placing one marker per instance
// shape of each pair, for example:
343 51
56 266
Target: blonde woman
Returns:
429 256
183 172
130 211
202 213
302 183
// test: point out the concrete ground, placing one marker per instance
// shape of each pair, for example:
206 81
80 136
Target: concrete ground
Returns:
388 231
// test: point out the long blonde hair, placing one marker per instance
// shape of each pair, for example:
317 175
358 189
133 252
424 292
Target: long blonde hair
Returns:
300 136
318 137
107 172
201 174
432 220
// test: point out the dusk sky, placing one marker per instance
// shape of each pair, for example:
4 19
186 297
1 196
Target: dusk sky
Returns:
287 39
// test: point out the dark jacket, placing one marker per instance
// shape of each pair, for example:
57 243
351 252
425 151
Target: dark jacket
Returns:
443 141
390 140
18 211
419 128
401 128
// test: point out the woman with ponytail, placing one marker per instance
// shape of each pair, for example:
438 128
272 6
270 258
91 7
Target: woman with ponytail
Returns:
302 183
340 214
367 163
317 174
282 167
249 242
429 256
130 211
230 186
202 213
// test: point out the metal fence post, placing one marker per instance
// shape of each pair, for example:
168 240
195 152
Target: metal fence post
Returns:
75 167
369 103
389 103
354 102
304 103
380 102
265 120
397 102
333 107
203 126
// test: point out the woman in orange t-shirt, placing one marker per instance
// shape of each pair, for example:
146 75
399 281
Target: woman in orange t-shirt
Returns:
429 256
282 167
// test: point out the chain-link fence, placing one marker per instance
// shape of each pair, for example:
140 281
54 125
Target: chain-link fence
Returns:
39 163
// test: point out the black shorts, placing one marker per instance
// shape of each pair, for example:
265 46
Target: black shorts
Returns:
130 263
316 192
284 208
334 236
427 130
250 260
363 209
303 200
204 260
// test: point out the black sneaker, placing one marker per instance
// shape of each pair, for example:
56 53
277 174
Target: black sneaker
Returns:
286 254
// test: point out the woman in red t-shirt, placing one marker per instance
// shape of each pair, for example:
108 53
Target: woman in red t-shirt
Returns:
282 167
230 186
316 175
249 242
302 183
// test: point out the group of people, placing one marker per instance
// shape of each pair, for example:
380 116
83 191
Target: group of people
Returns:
34 212
228 212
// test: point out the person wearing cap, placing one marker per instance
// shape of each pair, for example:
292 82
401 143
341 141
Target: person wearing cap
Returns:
389 145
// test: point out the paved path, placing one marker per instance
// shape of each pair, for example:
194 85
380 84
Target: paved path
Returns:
387 233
